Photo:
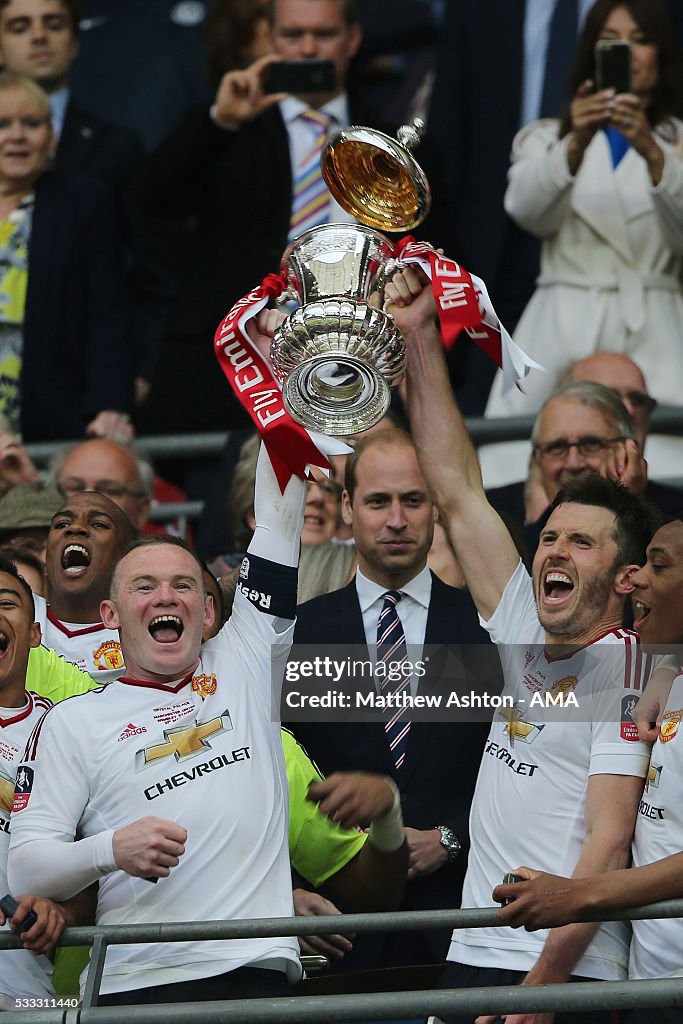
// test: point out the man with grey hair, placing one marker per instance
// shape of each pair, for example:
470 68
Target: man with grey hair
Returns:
583 425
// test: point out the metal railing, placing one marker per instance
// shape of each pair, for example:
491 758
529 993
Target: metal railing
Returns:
666 419
373 1006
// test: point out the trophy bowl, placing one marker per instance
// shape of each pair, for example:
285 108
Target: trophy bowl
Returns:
338 355
376 178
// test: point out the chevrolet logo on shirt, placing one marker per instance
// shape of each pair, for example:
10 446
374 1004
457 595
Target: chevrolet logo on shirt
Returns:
516 728
183 742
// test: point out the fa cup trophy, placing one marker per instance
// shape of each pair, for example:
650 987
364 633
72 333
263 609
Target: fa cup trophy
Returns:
339 354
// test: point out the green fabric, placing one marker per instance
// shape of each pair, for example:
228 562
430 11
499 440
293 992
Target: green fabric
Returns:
51 676
317 846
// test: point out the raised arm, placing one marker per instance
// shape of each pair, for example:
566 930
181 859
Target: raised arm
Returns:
484 548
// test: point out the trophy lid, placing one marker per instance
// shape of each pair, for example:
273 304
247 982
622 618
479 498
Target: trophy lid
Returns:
375 179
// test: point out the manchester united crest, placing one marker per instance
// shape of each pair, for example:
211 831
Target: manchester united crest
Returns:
108 656
670 724
205 685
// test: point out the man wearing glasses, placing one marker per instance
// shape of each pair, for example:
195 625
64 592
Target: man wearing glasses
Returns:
583 425
109 468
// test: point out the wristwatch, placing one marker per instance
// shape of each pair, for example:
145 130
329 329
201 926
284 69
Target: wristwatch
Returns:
450 842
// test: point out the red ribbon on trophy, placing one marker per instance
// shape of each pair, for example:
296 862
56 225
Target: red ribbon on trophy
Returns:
463 304
290 446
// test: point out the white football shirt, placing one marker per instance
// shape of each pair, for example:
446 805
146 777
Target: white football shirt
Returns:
204 753
528 805
90 646
656 945
21 973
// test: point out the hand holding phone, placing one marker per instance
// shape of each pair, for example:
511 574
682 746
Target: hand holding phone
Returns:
9 905
509 879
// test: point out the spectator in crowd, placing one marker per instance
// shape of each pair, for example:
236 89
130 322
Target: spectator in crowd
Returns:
16 465
158 603
28 565
122 474
320 515
388 504
601 188
477 107
249 144
64 359
575 784
87 536
24 973
160 81
582 426
623 375
237 34
324 568
40 39
26 511
125 474
547 901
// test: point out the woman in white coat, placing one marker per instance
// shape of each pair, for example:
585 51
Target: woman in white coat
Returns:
603 189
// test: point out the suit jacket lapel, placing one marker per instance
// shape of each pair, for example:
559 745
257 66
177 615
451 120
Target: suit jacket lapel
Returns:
76 139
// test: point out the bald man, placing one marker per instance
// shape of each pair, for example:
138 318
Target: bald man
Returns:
111 469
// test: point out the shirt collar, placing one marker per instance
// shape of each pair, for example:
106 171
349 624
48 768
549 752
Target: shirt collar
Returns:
337 109
419 588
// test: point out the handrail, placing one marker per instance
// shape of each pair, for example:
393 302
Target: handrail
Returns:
666 419
373 1006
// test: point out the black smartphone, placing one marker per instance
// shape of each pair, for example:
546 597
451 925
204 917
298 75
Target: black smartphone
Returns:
301 77
613 65
9 907
509 879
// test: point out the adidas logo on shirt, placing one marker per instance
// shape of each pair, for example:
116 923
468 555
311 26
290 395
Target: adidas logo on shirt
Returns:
131 730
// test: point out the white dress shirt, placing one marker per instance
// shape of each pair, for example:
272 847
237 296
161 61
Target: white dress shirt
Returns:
412 609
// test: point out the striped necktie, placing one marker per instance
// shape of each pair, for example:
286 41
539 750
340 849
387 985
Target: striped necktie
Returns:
391 650
310 199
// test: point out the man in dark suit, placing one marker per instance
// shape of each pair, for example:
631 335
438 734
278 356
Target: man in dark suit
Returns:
39 39
226 174
388 505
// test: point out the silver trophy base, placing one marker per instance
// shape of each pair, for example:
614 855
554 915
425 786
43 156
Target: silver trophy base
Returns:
336 394
337 360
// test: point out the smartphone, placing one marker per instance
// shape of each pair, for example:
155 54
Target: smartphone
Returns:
9 906
301 77
509 879
613 65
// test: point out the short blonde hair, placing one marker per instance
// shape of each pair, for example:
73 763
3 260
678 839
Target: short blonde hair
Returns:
10 82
